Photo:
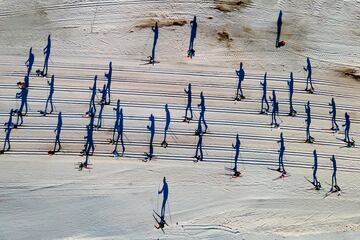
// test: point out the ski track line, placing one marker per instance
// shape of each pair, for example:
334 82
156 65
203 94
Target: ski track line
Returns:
72 127
164 71
173 157
207 147
81 89
160 106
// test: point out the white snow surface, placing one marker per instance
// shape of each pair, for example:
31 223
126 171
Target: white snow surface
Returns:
44 197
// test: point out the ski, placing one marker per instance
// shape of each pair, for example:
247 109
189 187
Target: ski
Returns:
316 187
160 217
331 192
234 174
275 169
282 176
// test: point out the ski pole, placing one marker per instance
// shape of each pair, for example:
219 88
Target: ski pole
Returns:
126 137
169 212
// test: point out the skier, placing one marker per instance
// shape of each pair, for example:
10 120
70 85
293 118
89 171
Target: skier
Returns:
275 109
315 181
47 50
347 131
334 125
102 105
279 25
199 130
9 125
108 85
49 100
188 106
92 106
151 128
89 145
290 83
264 99
202 111
309 138
308 78
84 164
23 95
29 63
237 151
155 30
202 114
117 112
165 192
25 83
120 133
241 75
199 157
334 186
99 123
58 132
193 24
281 155
167 124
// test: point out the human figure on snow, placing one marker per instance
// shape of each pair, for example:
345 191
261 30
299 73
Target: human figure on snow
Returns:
165 191
199 130
151 128
89 145
315 181
290 83
281 167
309 138
199 151
275 109
9 125
29 62
120 134
117 113
108 76
264 99
155 30
167 125
84 164
309 86
334 186
102 105
347 130
23 94
202 113
188 106
278 33
237 152
191 51
25 83
241 75
46 51
92 106
57 146
334 125
49 99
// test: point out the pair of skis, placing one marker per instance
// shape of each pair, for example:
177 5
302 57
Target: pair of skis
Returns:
160 222
318 188
283 175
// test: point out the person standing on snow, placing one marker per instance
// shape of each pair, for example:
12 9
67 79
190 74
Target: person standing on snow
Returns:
264 99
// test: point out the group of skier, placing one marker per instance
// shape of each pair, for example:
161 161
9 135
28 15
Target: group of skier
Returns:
190 51
23 95
202 127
